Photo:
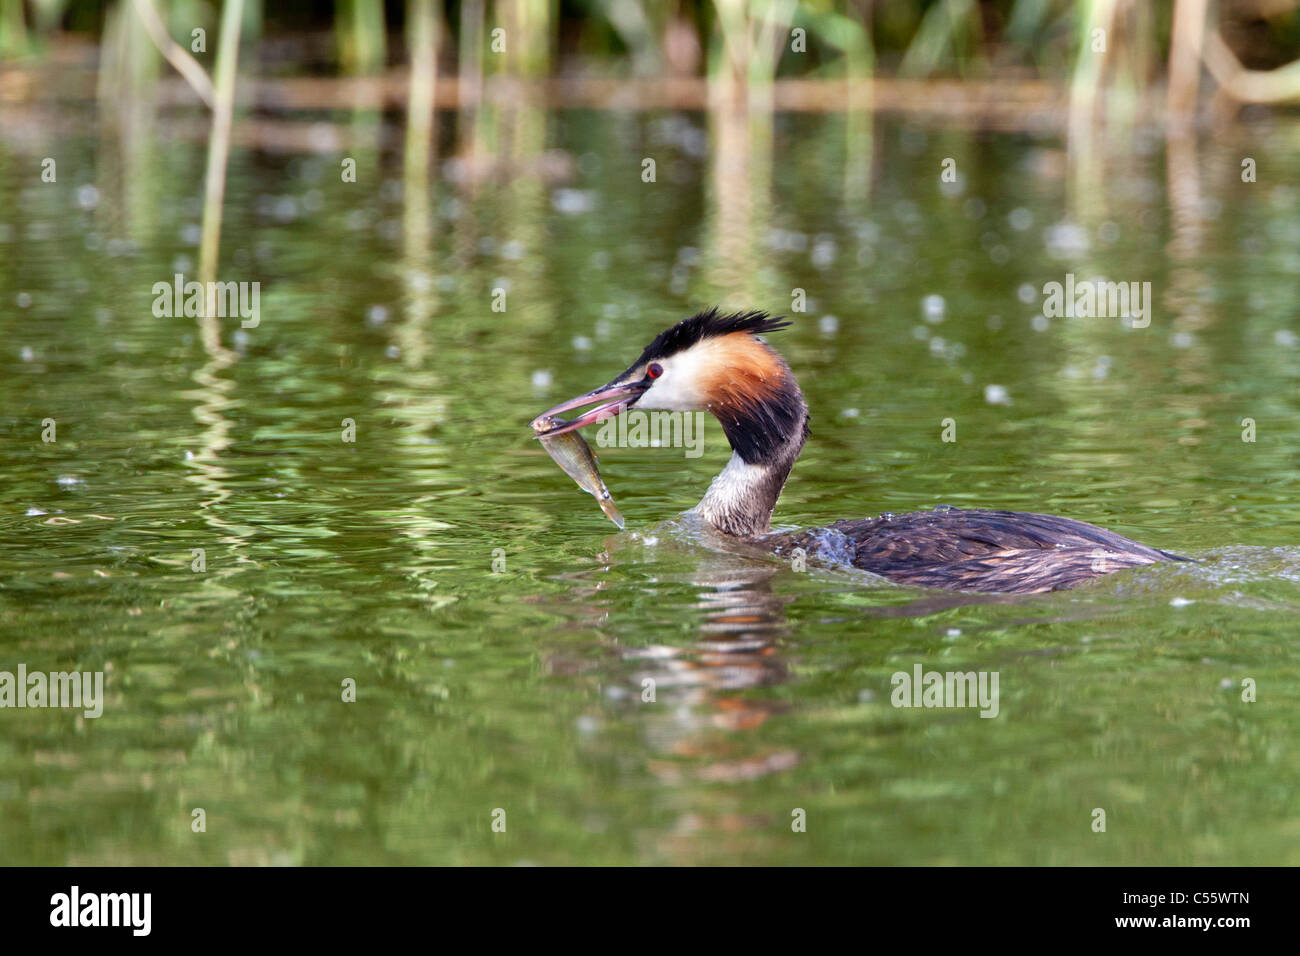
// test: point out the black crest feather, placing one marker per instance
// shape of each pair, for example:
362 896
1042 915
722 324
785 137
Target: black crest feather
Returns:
706 325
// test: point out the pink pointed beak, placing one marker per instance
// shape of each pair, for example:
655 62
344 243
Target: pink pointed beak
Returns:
612 400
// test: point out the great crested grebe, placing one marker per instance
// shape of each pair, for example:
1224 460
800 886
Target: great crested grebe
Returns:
716 363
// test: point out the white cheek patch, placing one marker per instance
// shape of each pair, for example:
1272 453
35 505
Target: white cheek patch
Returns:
672 393
678 388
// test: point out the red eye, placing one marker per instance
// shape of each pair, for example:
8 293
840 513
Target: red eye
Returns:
654 370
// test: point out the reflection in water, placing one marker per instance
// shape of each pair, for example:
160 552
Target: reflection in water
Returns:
1187 277
417 213
741 623
859 142
702 701
213 401
470 66
699 684
1188 303
740 211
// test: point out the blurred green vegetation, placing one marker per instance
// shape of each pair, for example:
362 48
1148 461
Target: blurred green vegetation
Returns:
915 38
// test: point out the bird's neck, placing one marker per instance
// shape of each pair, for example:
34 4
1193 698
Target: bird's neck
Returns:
765 444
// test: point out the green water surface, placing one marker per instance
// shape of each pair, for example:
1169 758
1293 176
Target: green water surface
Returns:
500 632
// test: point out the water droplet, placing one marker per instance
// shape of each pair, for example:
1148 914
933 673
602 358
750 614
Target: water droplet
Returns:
933 308
573 202
996 395
87 196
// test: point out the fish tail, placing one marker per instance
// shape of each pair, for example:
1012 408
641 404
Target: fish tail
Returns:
611 512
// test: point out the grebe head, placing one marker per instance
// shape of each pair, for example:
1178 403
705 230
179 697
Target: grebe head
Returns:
709 362
716 363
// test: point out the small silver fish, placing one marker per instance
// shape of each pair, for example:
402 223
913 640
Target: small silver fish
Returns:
572 453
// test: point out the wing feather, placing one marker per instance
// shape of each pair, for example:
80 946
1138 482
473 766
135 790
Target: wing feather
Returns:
977 549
